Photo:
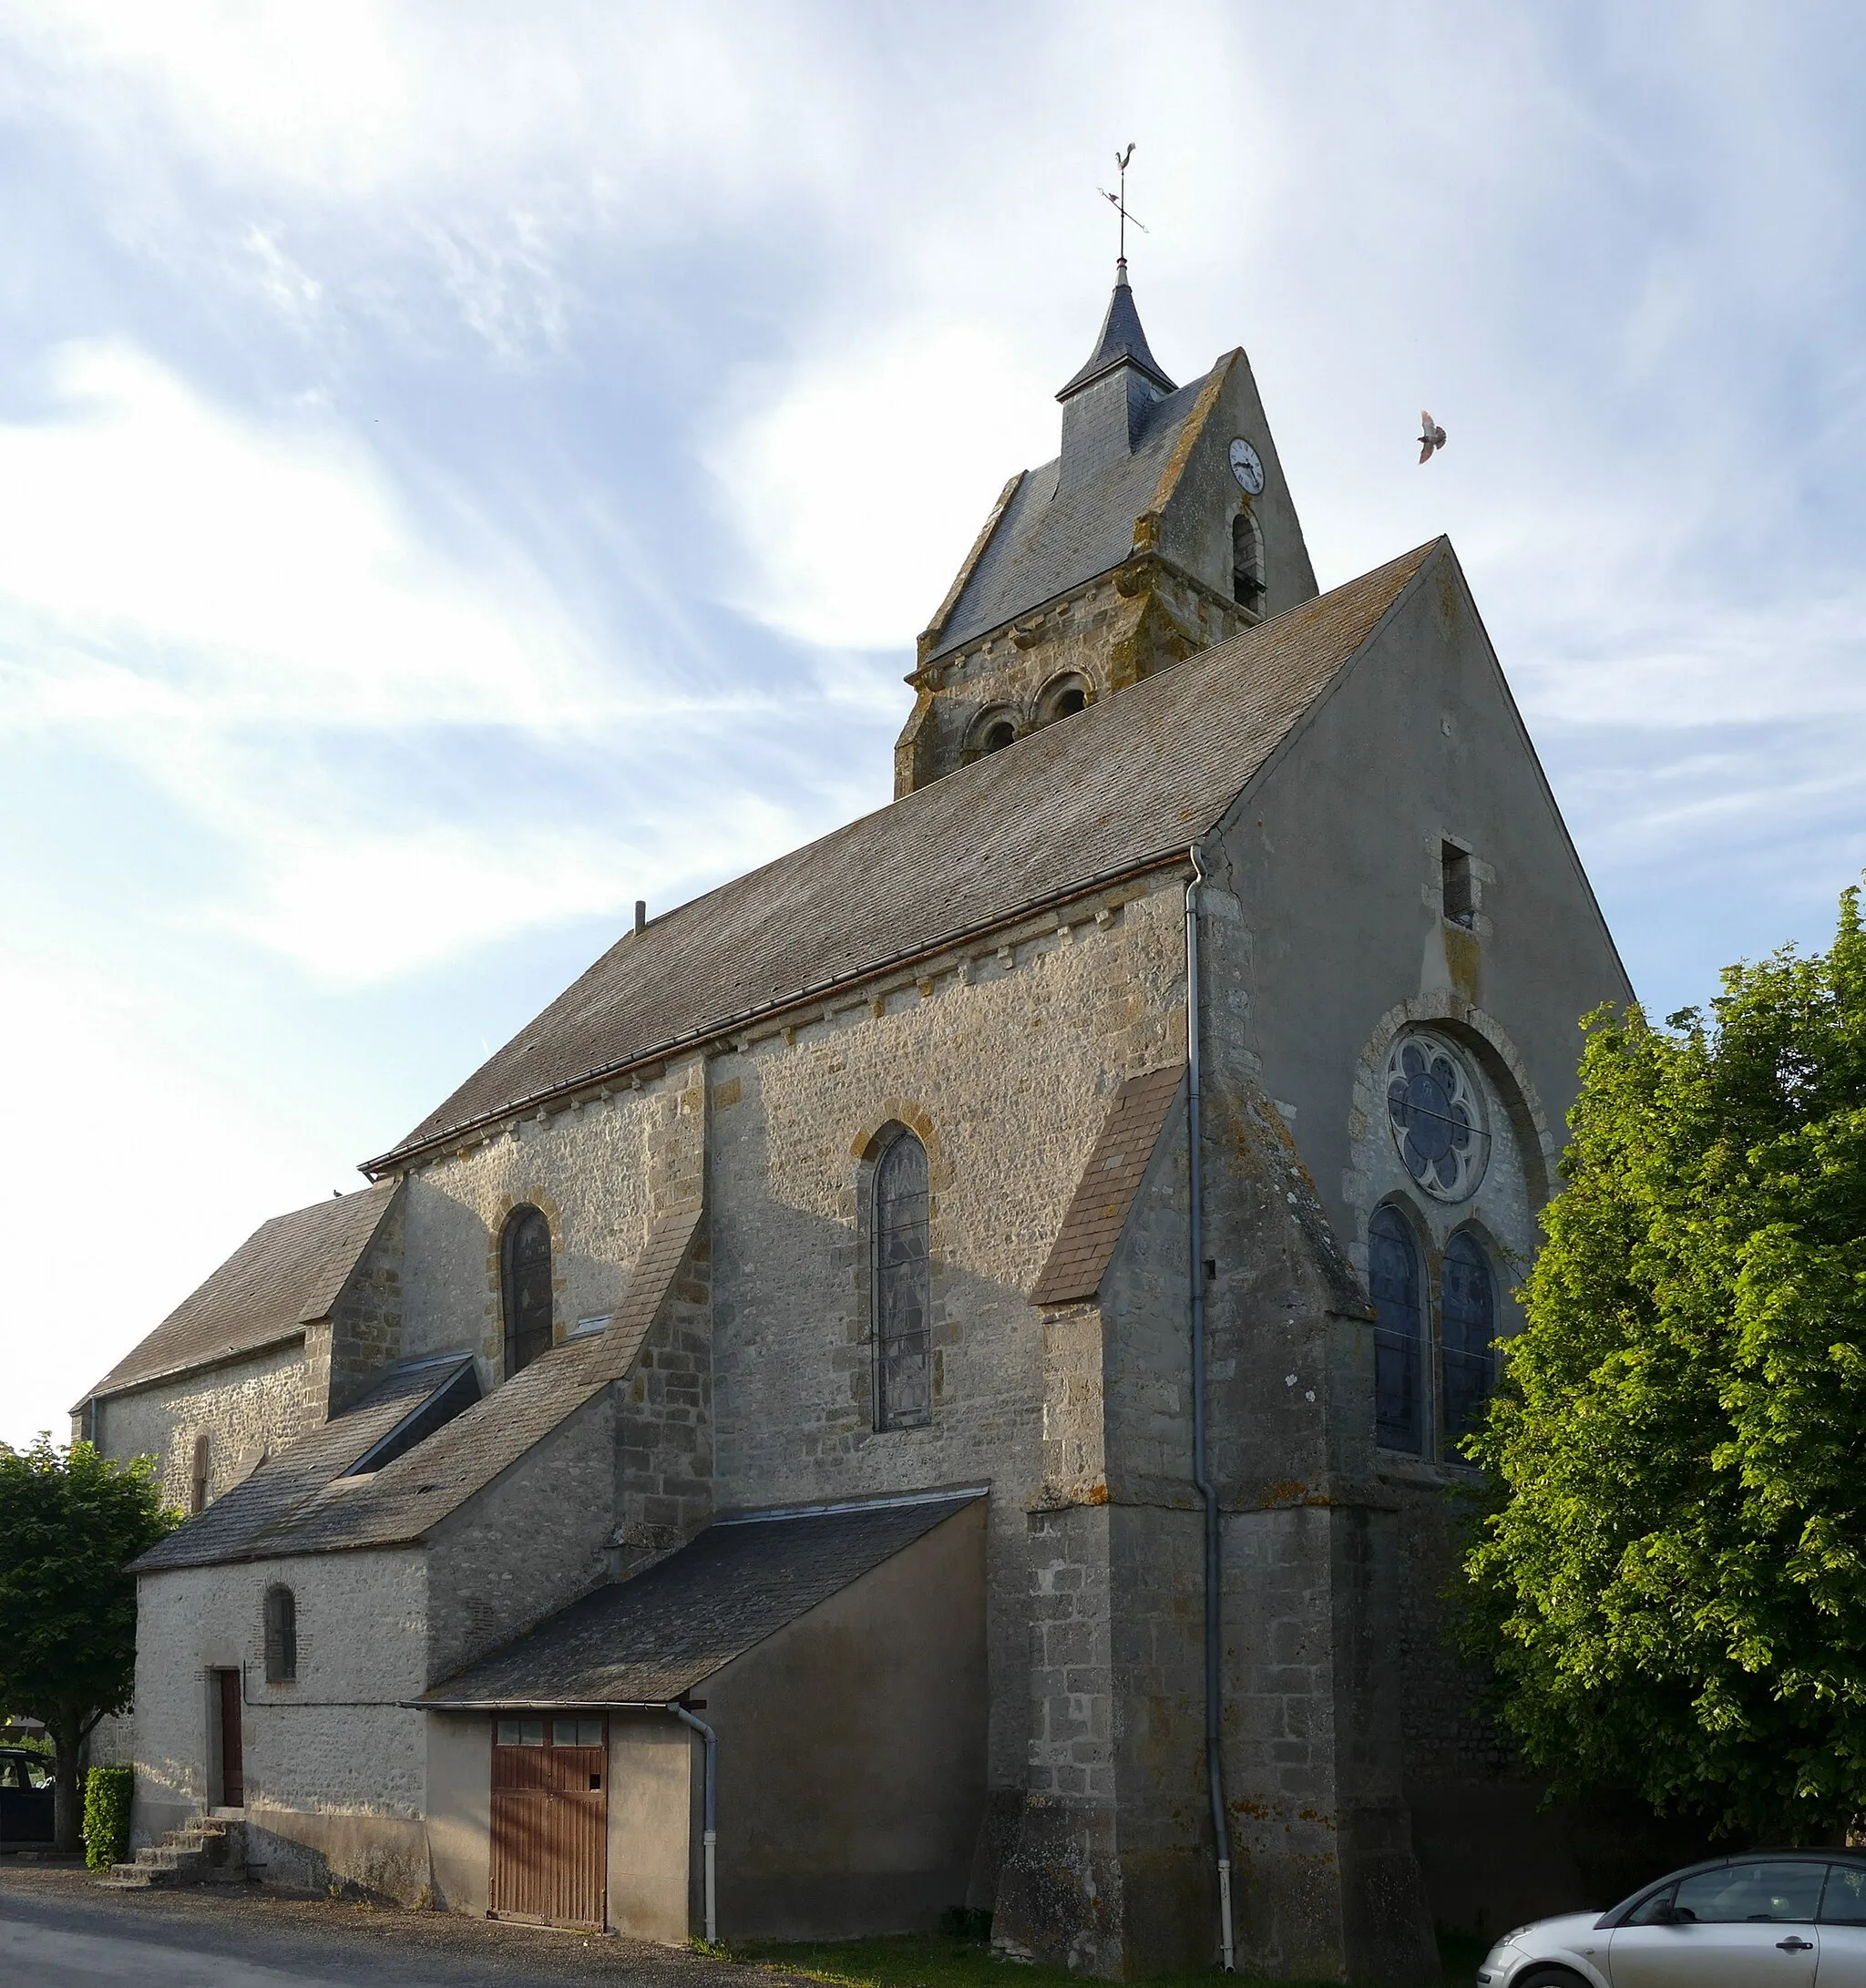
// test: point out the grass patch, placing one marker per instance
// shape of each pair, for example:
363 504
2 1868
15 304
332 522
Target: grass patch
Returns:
935 1960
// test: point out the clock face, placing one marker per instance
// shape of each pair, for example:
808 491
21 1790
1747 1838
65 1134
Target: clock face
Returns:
1246 465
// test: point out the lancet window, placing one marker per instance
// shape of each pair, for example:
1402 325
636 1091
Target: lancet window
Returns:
901 1286
525 1264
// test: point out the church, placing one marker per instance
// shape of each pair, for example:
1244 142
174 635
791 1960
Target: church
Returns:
931 1376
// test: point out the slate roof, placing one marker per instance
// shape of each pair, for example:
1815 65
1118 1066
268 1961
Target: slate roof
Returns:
645 1641
302 1502
1121 343
236 1526
1101 795
287 1275
1050 540
1097 1213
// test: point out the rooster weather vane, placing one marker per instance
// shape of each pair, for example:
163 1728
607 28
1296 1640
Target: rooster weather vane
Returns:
1118 201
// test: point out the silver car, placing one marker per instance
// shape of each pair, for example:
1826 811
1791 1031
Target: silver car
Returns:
1765 1918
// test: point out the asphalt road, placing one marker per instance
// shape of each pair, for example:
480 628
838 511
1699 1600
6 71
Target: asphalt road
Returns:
58 1930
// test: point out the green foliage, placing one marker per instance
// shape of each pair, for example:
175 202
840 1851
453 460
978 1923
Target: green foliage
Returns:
71 1521
1671 1585
107 1797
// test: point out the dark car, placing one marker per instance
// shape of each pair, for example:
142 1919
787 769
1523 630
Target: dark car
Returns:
26 1797
1761 1918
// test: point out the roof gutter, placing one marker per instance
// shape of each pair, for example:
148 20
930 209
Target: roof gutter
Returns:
401 1156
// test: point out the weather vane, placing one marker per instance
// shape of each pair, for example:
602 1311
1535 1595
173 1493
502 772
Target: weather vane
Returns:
1118 201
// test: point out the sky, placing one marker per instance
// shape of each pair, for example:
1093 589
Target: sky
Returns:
465 468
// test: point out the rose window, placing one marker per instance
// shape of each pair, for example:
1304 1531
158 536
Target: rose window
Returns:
1437 1116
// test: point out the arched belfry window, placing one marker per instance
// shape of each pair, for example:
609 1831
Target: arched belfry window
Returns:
524 1266
1467 1327
282 1635
198 1475
1062 698
1247 585
902 1286
1394 1283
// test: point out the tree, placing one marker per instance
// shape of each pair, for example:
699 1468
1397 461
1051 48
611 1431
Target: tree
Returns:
71 1521
1670 1584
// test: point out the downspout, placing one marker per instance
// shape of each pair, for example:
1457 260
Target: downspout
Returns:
709 1838
1214 1765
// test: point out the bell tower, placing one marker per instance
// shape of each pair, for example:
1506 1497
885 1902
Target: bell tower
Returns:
1164 525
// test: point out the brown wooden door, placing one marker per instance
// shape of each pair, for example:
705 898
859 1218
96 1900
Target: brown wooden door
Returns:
550 1821
232 1755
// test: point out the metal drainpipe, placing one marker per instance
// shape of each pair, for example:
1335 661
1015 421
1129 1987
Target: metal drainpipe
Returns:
710 1839
1215 1766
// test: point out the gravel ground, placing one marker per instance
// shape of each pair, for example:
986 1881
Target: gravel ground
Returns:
58 1928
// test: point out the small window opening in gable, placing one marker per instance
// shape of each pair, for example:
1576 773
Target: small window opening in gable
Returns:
198 1475
901 1286
1458 885
1247 583
525 1265
281 1636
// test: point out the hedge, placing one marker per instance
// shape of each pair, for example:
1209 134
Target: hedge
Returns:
107 1792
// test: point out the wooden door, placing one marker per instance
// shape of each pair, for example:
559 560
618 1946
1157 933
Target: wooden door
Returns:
550 1820
232 1755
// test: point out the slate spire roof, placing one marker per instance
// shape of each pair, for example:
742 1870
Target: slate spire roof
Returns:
1123 342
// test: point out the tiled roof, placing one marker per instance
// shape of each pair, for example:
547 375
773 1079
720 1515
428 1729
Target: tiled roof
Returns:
236 1526
1092 1224
1127 781
645 1641
287 1275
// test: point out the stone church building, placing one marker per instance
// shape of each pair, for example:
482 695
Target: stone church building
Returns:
931 1375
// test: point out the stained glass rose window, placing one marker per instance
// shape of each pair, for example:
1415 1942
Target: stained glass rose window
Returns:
1436 1112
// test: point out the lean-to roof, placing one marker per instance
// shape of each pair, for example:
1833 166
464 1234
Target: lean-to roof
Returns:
646 1640
1104 793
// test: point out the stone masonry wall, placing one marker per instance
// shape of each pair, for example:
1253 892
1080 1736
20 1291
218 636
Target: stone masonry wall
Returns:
364 1332
529 1544
246 1409
599 1171
1004 1065
664 1420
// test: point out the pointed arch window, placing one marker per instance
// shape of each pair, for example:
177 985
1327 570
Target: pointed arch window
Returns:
1394 1284
198 1475
1467 1329
1247 587
281 1635
901 1276
526 1286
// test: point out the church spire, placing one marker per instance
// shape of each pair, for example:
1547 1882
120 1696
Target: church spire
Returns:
1123 342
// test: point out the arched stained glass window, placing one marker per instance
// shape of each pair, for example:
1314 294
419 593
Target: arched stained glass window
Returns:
1393 1281
1467 1327
525 1261
281 1636
903 1391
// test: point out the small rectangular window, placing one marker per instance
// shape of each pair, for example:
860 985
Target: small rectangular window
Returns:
1459 892
576 1732
521 1732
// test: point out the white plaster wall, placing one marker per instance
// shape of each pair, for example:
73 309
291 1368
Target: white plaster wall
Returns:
335 1740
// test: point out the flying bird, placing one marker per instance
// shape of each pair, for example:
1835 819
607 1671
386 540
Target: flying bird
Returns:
1431 436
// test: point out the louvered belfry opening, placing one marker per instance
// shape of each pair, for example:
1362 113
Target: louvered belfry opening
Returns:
550 1820
524 1254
